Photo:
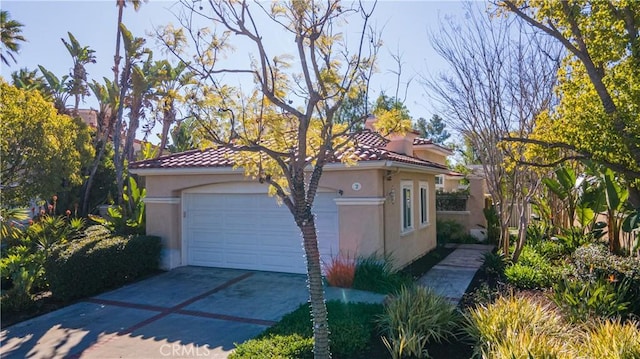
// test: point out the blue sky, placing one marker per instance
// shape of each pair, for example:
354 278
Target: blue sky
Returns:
93 23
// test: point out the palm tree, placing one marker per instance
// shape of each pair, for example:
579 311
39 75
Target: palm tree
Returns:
28 80
11 34
107 96
168 82
56 89
81 56
182 136
122 34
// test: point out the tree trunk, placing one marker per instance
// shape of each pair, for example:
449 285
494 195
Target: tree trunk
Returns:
522 232
92 174
167 119
316 290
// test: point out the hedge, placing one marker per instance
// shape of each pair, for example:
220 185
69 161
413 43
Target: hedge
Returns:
90 265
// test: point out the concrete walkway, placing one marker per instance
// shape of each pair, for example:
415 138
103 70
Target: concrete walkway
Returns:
451 277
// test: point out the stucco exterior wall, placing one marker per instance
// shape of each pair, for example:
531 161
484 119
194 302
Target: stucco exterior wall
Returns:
407 247
430 156
360 208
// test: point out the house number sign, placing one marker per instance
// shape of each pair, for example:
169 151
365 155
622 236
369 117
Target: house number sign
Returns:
356 186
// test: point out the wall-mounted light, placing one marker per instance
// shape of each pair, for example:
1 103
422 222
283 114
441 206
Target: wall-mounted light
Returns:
340 192
392 195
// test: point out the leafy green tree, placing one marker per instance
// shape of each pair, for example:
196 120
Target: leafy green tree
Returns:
283 131
11 35
353 108
598 116
41 150
434 130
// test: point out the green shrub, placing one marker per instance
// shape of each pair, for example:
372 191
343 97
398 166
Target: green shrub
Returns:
594 262
524 276
611 340
551 250
415 317
23 272
532 270
494 264
448 230
513 327
97 262
351 326
581 300
275 346
376 274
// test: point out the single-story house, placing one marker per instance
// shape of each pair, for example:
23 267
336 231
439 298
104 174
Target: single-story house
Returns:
209 214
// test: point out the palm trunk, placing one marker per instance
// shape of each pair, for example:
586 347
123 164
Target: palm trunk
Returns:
167 120
316 290
118 159
92 174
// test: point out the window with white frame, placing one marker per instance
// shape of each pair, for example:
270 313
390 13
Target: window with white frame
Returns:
407 205
424 203
439 181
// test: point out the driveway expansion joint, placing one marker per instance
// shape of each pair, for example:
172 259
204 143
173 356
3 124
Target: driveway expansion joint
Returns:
165 311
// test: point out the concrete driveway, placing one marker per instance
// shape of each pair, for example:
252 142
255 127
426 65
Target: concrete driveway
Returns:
189 312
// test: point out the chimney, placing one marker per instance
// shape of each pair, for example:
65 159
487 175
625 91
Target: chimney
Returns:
401 143
369 123
398 143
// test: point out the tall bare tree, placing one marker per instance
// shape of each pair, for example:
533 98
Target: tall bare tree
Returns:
500 78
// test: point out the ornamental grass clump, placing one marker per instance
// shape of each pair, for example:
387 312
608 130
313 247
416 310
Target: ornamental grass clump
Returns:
340 271
612 339
415 317
513 327
375 273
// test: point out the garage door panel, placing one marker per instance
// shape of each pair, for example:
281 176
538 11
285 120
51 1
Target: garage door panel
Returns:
250 231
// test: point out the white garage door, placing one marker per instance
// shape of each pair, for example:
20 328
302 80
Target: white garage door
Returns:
250 231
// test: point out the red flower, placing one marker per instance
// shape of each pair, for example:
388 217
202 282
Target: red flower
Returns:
50 207
42 212
68 213
30 221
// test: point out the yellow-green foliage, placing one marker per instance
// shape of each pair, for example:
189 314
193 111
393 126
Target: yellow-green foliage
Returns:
516 328
39 149
610 339
519 327
580 119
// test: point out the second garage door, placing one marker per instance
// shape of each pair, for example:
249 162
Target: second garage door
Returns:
250 231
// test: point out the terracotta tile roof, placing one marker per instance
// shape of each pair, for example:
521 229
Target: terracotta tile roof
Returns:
422 141
369 146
